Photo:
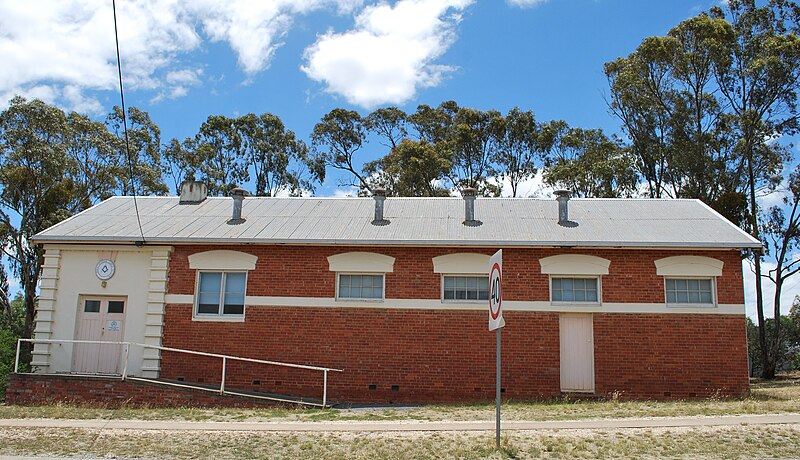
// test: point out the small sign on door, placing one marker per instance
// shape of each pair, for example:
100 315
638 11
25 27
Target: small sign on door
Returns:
113 325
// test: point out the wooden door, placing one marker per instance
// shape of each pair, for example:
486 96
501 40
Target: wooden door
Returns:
99 319
577 353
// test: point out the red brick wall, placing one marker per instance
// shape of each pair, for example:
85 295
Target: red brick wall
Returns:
29 389
670 356
440 355
432 355
302 271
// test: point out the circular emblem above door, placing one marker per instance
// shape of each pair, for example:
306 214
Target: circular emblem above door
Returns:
105 269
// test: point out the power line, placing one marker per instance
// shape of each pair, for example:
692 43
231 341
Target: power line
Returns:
125 123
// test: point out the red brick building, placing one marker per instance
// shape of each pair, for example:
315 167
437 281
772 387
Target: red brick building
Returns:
636 298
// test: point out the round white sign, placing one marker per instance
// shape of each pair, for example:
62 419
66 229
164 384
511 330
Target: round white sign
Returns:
105 269
495 294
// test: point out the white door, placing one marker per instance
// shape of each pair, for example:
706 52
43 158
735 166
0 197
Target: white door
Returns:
577 353
99 319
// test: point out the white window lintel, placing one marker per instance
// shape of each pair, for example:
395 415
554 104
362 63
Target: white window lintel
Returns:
222 259
361 262
574 264
462 263
678 266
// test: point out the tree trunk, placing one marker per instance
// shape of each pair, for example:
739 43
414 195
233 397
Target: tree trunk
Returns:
767 370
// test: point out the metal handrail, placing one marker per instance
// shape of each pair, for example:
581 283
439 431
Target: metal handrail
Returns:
224 358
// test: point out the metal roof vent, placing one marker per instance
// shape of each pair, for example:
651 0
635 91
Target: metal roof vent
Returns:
469 195
379 195
562 196
238 198
193 192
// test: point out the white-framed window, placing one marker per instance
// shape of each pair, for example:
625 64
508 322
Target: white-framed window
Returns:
690 291
220 294
360 286
570 289
465 288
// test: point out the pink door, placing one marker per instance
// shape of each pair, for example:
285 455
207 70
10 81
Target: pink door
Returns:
99 319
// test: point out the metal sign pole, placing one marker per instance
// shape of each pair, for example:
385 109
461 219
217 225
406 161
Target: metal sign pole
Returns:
497 390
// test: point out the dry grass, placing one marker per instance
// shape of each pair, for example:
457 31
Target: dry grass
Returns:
710 443
781 396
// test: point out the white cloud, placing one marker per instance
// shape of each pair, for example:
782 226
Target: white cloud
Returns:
525 3
389 54
346 192
60 50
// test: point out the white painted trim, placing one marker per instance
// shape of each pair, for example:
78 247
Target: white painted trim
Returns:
222 259
467 263
689 266
179 299
508 305
574 264
361 262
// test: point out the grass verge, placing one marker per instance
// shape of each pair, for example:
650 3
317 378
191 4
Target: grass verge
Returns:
710 443
781 396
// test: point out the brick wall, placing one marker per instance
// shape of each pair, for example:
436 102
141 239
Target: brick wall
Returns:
29 389
670 356
302 271
405 355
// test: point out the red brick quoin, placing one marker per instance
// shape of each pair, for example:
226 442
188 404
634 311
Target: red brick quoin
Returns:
409 356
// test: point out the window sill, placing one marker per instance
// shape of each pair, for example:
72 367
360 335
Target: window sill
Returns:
346 299
691 305
576 304
460 301
219 319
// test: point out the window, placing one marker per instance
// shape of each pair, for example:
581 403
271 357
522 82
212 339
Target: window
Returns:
221 293
690 290
465 287
369 287
116 306
574 290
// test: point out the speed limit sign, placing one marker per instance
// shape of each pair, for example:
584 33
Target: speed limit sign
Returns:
496 291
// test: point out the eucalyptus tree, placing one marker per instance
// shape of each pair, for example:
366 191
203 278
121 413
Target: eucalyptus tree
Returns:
473 139
389 124
520 146
52 165
412 168
757 72
335 141
220 154
137 156
589 164
180 162
281 163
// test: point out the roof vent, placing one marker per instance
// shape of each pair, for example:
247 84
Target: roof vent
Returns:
469 195
379 195
238 198
193 192
562 196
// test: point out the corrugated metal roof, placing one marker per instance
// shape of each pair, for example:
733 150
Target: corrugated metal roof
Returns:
414 221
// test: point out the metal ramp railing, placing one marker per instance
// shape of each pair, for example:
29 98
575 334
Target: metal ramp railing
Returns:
126 347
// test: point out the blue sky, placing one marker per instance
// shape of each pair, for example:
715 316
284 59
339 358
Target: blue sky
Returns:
298 59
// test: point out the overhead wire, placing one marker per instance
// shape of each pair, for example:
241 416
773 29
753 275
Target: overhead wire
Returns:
131 165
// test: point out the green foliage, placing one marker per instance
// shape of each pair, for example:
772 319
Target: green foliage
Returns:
281 163
336 139
589 164
413 168
12 323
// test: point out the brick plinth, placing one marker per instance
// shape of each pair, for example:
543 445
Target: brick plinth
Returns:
33 389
